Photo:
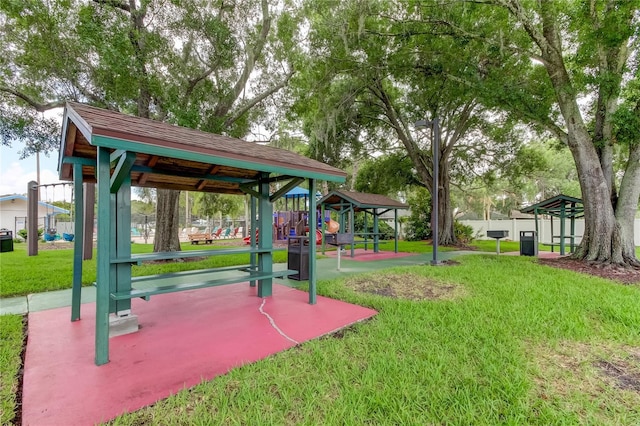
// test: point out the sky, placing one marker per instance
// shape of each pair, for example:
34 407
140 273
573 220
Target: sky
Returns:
16 173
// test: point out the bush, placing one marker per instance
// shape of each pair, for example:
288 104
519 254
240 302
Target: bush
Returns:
463 233
386 232
419 222
23 233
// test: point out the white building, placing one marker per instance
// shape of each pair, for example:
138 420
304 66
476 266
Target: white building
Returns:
13 213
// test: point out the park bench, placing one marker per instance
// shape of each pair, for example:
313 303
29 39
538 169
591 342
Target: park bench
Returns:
195 279
198 238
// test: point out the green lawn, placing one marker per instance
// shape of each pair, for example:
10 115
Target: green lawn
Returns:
53 269
11 337
524 344
521 344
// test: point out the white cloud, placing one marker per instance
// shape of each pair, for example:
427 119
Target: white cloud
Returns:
14 180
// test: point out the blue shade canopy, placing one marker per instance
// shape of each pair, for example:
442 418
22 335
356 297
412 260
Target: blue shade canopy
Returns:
298 192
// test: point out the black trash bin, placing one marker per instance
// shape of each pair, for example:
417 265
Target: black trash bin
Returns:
6 240
298 257
528 243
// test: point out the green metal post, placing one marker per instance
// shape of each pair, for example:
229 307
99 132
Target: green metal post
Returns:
376 237
395 229
78 239
265 218
252 238
103 261
312 242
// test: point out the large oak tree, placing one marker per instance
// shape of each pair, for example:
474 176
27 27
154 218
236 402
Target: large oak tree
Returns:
210 65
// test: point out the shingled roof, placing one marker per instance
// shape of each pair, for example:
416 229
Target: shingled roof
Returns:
362 200
173 157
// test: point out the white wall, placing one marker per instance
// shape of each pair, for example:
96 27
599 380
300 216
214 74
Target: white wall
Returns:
515 226
13 214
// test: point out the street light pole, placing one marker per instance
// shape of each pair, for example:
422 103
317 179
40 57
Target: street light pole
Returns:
434 195
435 146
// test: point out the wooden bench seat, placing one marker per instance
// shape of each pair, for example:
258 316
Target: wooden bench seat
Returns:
180 285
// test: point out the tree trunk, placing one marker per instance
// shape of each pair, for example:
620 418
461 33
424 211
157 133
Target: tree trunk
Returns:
167 225
446 233
627 206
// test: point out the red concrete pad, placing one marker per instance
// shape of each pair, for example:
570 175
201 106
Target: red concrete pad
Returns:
363 255
184 338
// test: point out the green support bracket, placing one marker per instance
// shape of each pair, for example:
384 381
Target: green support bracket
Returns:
248 189
103 263
289 186
78 240
122 170
312 242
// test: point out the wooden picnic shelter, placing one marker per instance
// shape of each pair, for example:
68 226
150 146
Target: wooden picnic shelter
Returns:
347 203
117 152
563 207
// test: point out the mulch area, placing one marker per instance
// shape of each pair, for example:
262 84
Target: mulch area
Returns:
621 274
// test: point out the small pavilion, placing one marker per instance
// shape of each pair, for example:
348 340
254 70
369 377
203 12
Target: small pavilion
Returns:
563 207
118 151
347 203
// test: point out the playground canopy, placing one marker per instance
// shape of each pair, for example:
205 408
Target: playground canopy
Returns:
346 203
118 151
563 207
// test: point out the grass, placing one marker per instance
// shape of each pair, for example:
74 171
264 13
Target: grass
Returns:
53 269
11 336
499 354
520 343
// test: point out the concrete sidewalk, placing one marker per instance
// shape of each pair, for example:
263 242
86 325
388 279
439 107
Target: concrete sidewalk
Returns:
326 268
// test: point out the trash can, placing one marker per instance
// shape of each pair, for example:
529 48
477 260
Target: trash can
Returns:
298 257
6 240
528 243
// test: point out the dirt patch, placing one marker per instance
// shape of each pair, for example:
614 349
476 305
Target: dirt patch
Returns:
596 373
404 286
611 272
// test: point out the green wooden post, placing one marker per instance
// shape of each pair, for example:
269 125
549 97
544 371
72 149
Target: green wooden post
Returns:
78 239
265 218
395 229
123 244
562 227
322 228
103 261
312 242
365 229
573 227
551 221
376 237
352 228
113 237
252 238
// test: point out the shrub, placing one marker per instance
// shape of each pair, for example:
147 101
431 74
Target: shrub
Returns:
463 233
